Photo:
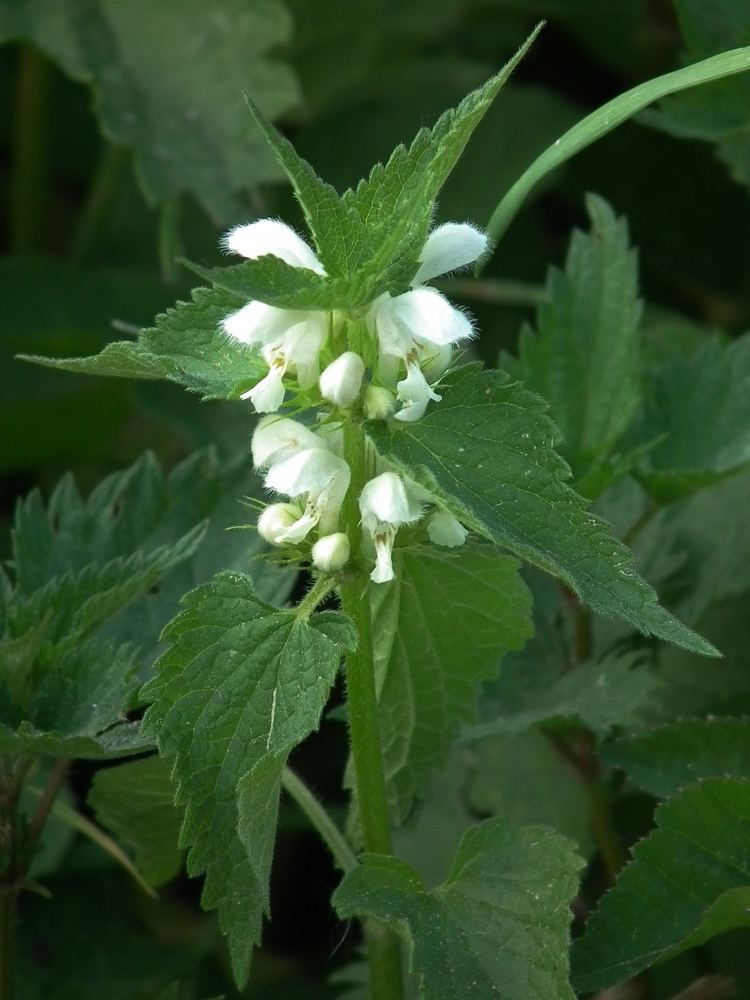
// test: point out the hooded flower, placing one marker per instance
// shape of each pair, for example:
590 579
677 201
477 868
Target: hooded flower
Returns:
277 438
317 479
290 339
421 326
385 504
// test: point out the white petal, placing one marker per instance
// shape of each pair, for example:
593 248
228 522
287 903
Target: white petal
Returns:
257 323
268 395
415 393
394 340
277 438
425 314
301 346
384 500
448 247
308 472
275 520
302 527
331 552
341 381
271 236
444 529
383 571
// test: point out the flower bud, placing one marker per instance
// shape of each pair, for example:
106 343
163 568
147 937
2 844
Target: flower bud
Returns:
275 520
341 381
435 359
445 530
331 552
379 402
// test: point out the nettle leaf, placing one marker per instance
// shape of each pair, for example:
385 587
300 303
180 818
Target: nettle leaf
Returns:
718 113
135 802
176 105
688 881
600 694
698 417
497 927
487 451
369 240
186 346
241 685
583 357
666 759
430 665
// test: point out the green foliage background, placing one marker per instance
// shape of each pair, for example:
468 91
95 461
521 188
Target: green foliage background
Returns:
125 144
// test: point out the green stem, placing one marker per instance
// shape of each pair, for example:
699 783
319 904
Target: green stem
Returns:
8 903
170 242
55 781
496 292
330 834
28 188
384 949
315 596
103 185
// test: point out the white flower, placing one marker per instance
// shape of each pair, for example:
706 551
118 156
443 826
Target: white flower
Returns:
278 438
269 236
444 529
415 393
379 402
341 381
276 519
421 326
331 552
290 339
318 479
385 505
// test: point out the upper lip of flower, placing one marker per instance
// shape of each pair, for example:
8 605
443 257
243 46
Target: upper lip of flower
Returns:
271 236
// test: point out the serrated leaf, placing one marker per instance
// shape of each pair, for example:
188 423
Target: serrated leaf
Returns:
584 356
718 113
134 801
430 665
688 881
666 759
240 686
186 346
599 694
177 104
698 417
488 452
497 927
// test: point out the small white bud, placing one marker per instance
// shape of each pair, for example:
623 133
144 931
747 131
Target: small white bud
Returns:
341 381
331 552
385 504
379 402
444 529
275 520
434 360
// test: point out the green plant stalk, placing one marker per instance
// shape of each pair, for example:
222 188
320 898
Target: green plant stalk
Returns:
103 185
384 948
330 834
28 188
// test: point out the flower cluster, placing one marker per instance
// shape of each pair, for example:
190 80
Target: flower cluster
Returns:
408 340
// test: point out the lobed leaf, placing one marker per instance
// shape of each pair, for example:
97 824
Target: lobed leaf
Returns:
487 451
241 684
497 927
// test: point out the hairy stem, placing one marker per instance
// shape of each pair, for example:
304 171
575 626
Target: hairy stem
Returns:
333 838
28 189
369 774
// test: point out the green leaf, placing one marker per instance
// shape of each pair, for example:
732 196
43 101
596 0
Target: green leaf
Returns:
166 82
134 801
606 118
240 686
487 452
599 694
719 113
584 356
698 416
497 927
688 881
666 759
430 665
186 346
